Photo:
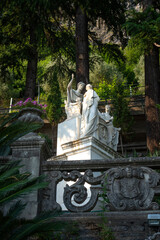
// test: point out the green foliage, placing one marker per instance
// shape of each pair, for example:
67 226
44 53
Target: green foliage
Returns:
13 50
114 63
113 84
48 140
103 72
64 68
105 232
122 117
135 64
143 27
118 92
14 185
54 111
11 129
111 53
139 73
17 19
12 81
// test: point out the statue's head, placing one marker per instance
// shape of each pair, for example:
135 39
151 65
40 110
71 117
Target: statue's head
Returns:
107 108
88 86
80 86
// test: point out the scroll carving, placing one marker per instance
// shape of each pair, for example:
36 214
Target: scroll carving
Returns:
78 191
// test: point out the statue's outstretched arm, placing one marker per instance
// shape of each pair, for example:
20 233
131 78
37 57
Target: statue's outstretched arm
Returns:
70 83
68 91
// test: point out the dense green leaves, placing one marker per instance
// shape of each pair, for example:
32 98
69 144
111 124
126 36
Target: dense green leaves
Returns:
54 25
14 186
117 93
144 28
54 111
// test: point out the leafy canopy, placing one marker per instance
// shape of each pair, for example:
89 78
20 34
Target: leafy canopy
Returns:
143 27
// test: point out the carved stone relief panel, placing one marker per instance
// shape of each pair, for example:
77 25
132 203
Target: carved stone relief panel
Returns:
131 188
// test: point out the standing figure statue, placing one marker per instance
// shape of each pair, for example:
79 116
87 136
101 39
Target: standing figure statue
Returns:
73 104
90 116
112 132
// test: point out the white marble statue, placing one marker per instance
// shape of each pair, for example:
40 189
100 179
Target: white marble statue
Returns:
112 132
90 116
73 104
85 123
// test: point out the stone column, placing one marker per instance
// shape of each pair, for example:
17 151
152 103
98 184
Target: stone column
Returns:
31 150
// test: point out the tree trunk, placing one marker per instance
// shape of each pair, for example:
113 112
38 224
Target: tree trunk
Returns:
82 58
152 75
30 88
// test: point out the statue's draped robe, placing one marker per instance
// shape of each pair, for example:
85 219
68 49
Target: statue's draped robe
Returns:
90 116
110 127
113 132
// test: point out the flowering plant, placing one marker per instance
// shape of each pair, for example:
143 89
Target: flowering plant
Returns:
29 103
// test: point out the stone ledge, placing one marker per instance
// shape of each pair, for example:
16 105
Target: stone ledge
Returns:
28 143
153 162
84 148
32 145
114 215
89 142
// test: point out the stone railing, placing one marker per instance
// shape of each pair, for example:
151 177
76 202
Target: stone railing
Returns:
130 184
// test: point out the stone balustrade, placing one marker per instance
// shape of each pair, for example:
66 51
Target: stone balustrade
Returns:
130 184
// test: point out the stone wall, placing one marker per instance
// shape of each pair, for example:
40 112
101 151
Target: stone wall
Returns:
123 225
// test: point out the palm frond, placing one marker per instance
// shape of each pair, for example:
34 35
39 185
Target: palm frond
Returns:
7 118
21 188
10 221
43 224
14 184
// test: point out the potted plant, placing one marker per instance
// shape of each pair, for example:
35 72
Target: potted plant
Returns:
30 110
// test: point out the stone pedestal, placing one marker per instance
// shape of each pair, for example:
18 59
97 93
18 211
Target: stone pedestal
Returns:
68 131
31 150
87 148
70 139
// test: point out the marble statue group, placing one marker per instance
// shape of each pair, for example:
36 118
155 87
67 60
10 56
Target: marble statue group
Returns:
92 121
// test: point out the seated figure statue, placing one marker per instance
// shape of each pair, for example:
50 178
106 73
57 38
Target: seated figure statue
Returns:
73 104
112 132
